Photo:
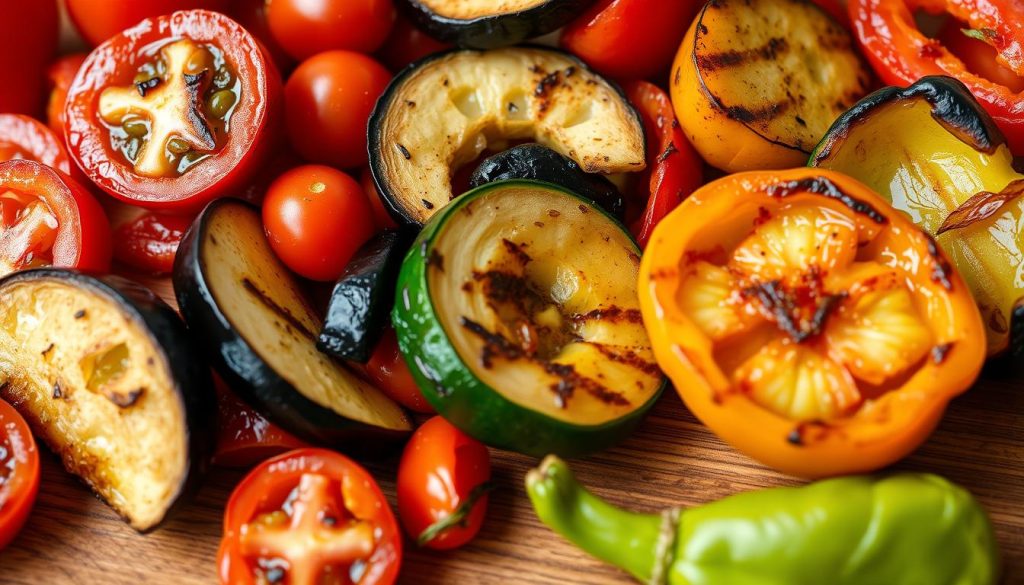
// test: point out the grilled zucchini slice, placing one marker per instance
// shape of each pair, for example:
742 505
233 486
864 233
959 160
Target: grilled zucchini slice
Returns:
518 315
486 24
105 374
756 83
443 113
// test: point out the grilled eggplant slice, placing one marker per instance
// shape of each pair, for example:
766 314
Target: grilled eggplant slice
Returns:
518 315
105 374
540 163
361 302
441 114
756 83
486 24
250 317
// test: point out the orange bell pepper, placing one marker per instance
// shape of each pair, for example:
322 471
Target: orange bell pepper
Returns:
807 322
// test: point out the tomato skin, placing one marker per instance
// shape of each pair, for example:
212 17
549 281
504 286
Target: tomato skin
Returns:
98 20
389 372
21 486
316 217
266 487
258 113
630 39
252 14
381 216
440 468
408 44
59 77
25 137
978 57
149 241
307 27
328 101
83 236
28 40
244 436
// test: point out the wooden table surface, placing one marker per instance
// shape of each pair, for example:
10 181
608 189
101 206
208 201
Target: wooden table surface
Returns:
72 537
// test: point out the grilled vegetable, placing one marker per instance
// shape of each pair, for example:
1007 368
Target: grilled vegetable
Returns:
538 162
806 322
517 313
757 82
934 153
443 112
485 24
251 319
358 312
902 529
106 376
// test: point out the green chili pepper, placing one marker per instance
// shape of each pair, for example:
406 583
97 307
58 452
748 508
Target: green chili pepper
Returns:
904 529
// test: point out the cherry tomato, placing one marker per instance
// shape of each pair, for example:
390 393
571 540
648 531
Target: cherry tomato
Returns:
316 217
98 20
630 39
180 110
244 436
149 241
328 102
388 371
309 516
28 40
381 216
19 473
24 137
252 14
443 479
307 27
408 44
978 56
48 219
59 77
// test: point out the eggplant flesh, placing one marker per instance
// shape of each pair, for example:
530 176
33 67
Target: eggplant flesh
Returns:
252 319
488 24
104 373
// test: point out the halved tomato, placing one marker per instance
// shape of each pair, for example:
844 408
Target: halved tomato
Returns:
22 137
19 473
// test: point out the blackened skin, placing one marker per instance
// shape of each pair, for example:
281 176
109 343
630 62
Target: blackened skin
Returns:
540 163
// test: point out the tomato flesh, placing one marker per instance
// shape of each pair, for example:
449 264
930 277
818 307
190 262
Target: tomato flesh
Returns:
28 230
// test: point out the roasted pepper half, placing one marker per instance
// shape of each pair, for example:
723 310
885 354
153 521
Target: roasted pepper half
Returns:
910 528
807 322
934 153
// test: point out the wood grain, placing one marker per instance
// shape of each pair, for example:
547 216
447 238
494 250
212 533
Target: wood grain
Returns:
73 538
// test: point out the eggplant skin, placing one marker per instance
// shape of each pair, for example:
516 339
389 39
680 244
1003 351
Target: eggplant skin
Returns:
189 372
498 30
1017 333
540 163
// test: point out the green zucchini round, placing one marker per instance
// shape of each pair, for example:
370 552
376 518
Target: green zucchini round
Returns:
518 315
485 24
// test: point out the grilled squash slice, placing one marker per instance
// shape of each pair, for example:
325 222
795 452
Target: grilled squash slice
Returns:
488 24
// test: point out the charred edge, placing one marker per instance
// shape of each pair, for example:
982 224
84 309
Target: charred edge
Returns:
728 59
495 345
941 269
504 287
148 85
125 400
939 352
427 203
763 114
628 358
800 435
1017 330
516 250
669 151
796 437
58 390
79 314
780 306
436 260
826 188
46 352
193 84
278 309
613 314
405 151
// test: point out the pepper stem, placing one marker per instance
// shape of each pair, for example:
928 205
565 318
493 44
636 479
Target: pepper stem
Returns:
641 544
457 517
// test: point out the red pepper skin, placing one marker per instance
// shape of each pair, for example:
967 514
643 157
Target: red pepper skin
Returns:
675 168
901 54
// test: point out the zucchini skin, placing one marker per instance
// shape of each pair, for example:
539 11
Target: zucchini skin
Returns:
188 370
449 384
500 30
246 373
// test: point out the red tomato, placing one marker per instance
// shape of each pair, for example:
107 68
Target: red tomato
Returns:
309 516
28 40
316 217
408 44
328 102
381 216
442 486
979 57
98 20
59 77
307 27
48 219
171 142
19 473
149 241
24 137
244 436
388 371
630 39
252 14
